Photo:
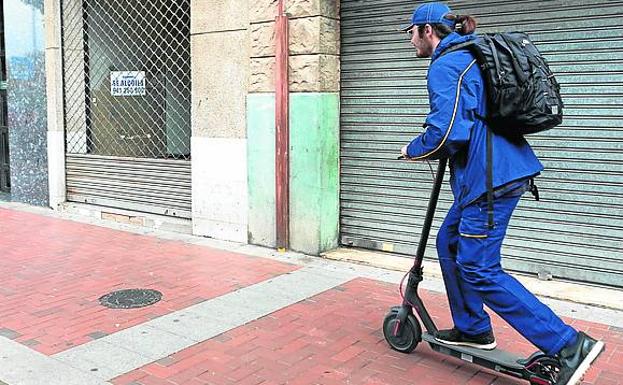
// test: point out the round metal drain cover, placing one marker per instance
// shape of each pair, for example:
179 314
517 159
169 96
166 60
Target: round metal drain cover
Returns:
130 298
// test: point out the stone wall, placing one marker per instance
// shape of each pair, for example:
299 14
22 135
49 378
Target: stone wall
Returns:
314 45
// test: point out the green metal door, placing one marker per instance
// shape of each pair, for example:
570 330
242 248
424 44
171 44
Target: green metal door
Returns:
576 230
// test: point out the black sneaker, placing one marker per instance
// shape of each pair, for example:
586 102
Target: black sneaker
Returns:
575 360
454 336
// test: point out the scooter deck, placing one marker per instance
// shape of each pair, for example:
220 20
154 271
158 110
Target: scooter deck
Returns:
496 356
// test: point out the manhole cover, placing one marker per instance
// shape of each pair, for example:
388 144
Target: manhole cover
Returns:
130 298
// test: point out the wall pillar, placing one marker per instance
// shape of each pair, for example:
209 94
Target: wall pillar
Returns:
314 124
55 111
220 73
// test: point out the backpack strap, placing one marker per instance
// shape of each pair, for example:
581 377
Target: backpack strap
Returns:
534 190
457 47
490 178
489 171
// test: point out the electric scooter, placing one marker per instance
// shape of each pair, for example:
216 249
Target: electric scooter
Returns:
403 331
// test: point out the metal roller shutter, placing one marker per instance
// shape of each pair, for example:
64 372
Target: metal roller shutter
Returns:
576 230
127 102
146 185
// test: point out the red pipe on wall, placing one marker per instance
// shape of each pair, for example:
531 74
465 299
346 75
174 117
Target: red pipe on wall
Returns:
282 129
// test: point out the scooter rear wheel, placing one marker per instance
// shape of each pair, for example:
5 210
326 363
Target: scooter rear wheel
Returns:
546 368
409 334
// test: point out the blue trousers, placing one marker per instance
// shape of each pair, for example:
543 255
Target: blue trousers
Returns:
469 254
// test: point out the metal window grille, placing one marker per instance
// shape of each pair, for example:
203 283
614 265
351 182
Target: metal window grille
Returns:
127 78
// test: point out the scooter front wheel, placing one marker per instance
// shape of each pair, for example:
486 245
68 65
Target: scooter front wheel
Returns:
402 338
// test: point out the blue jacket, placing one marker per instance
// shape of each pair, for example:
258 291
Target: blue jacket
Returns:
457 97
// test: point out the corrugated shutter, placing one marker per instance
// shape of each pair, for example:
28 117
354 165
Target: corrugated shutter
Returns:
576 230
147 185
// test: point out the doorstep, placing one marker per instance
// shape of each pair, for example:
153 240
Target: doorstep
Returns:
127 217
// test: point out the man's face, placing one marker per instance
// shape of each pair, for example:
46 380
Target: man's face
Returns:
423 44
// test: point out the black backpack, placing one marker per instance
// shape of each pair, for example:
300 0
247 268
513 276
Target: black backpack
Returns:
523 96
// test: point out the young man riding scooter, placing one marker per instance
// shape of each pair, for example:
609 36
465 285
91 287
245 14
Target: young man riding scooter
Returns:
468 248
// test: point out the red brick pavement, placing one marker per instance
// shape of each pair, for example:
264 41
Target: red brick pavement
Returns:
335 338
53 272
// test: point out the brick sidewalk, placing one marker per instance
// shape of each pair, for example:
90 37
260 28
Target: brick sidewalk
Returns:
53 272
335 338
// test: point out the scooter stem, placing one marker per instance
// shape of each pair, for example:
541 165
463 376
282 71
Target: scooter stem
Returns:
416 275
430 214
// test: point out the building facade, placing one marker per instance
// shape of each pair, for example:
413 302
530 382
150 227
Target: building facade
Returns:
167 112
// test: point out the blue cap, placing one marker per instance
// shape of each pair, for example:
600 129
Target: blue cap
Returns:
430 13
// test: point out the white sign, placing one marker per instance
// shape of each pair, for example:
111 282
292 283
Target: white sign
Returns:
127 83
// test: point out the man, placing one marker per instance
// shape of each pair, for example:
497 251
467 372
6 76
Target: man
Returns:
468 249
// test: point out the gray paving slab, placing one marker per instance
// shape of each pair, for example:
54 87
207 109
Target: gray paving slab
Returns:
102 359
192 325
20 365
149 341
132 348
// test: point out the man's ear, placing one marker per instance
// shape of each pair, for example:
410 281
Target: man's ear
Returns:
428 30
